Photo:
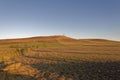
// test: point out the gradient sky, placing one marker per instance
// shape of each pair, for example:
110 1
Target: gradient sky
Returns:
74 18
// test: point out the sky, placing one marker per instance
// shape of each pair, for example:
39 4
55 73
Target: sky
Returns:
74 18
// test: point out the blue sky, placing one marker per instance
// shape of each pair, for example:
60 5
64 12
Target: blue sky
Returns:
74 18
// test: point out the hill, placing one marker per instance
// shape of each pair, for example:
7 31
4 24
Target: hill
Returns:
59 58
41 38
57 38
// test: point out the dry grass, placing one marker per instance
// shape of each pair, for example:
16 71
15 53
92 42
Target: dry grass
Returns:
59 58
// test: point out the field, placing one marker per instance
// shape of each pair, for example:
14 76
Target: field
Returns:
59 58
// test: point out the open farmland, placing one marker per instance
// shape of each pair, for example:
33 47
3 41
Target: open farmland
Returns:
59 58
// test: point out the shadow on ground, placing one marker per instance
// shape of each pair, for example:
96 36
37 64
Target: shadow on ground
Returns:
8 76
70 71
83 70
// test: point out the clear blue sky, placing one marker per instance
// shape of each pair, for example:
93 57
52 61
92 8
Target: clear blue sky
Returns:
74 18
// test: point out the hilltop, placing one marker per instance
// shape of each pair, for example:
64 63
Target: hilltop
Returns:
56 38
41 38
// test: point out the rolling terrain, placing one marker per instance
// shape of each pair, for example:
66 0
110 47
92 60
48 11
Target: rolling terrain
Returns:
59 58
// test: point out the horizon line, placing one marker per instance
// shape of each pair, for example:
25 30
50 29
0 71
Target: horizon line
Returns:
25 37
